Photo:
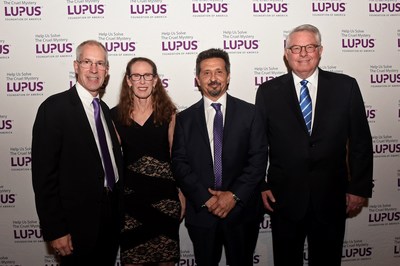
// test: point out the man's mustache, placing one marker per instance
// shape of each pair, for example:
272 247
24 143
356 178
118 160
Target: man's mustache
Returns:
213 83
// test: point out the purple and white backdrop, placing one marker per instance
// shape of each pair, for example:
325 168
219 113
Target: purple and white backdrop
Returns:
37 49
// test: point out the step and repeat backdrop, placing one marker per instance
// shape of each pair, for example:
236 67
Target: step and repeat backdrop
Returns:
37 49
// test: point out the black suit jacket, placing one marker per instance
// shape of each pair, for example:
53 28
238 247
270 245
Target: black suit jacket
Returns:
305 169
243 160
67 172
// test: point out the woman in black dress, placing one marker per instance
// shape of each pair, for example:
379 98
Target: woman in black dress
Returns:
145 120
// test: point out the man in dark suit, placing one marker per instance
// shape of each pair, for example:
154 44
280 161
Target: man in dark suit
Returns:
218 214
320 165
78 207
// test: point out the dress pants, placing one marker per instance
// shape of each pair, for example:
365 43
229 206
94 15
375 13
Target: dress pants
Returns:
105 251
239 241
324 238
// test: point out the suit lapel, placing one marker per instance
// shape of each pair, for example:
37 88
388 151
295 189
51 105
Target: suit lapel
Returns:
293 100
200 119
324 87
229 117
82 121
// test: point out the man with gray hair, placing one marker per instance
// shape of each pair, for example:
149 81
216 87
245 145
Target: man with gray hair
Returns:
76 167
320 154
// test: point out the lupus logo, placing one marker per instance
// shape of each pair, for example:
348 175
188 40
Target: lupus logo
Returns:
85 9
20 161
6 124
179 45
186 262
27 233
144 9
4 49
328 7
120 46
270 7
256 259
385 78
384 7
51 48
209 7
357 252
305 255
165 83
7 198
384 217
386 148
265 224
396 249
24 86
358 43
371 113
260 80
19 11
241 44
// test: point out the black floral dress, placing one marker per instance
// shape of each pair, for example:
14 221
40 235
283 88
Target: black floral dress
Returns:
151 203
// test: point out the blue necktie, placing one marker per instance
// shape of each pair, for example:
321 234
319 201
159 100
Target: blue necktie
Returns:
217 135
108 167
305 104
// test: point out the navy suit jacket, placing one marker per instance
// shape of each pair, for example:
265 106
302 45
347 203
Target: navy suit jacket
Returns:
243 161
316 170
67 171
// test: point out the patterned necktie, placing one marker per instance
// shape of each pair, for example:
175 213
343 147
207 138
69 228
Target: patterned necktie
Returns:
217 134
305 104
108 167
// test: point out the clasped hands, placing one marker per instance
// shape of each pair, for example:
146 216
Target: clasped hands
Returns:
220 203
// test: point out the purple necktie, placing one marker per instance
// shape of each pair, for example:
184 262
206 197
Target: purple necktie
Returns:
217 132
110 176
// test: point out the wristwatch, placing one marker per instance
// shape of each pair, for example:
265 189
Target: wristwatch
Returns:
236 198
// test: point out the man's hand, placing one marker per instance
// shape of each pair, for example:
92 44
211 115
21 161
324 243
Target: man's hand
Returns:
354 204
265 196
224 203
63 245
182 200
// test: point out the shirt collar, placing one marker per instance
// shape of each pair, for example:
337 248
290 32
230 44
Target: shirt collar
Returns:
221 100
311 79
84 95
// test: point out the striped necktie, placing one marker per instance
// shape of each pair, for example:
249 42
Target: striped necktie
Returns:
305 104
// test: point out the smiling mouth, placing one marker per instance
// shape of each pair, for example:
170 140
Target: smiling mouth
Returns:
214 84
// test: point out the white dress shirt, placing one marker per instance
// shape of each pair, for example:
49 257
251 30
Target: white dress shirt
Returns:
210 114
312 89
87 99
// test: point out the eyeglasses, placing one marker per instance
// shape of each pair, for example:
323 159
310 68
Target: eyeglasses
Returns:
310 48
137 77
88 64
